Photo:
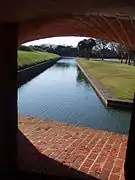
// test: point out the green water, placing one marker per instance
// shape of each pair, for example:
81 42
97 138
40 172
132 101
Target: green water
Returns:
63 93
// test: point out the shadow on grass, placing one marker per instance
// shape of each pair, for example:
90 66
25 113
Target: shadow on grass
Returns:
38 166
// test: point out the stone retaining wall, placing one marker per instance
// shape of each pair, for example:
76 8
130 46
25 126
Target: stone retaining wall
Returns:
105 96
27 74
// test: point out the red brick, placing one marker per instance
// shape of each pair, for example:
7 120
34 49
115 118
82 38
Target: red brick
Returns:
114 152
92 156
71 158
119 162
90 146
55 146
79 160
110 141
82 150
93 173
122 177
99 147
67 136
114 177
108 165
86 141
71 145
61 141
83 136
69 149
96 140
104 154
104 174
77 163
102 142
124 145
122 153
117 170
84 169
88 163
55 154
96 150
107 146
63 157
48 152
96 167
101 159
67 164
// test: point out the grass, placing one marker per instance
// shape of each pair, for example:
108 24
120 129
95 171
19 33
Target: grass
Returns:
26 58
118 78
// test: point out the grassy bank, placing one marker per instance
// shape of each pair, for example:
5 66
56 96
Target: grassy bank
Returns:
26 58
118 78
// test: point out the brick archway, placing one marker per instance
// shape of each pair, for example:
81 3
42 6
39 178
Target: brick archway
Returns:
116 28
26 20
113 21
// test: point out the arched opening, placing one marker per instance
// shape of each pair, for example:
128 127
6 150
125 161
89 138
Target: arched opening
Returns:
61 92
59 65
111 28
92 18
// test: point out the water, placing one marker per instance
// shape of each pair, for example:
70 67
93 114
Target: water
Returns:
63 93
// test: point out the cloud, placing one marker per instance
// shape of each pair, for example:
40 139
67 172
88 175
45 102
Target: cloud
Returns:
68 40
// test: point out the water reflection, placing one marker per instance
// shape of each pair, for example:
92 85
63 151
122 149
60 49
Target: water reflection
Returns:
63 93
81 77
62 65
65 64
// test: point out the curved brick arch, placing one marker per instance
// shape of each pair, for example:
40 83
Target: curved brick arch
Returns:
117 28
34 19
110 20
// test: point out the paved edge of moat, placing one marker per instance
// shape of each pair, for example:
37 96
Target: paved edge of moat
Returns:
105 95
25 75
62 149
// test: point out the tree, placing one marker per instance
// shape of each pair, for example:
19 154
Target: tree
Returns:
126 53
122 51
81 47
89 45
101 46
25 48
85 47
131 56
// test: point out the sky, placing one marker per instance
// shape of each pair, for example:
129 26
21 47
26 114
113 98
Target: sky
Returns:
68 41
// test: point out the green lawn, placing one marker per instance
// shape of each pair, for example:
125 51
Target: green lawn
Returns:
116 77
26 58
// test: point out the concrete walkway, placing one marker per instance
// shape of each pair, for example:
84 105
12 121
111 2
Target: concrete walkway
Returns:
59 148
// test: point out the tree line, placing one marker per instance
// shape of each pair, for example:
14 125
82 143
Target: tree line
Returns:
126 54
95 48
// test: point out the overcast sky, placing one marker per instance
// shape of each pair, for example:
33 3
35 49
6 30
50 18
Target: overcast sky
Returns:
69 40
